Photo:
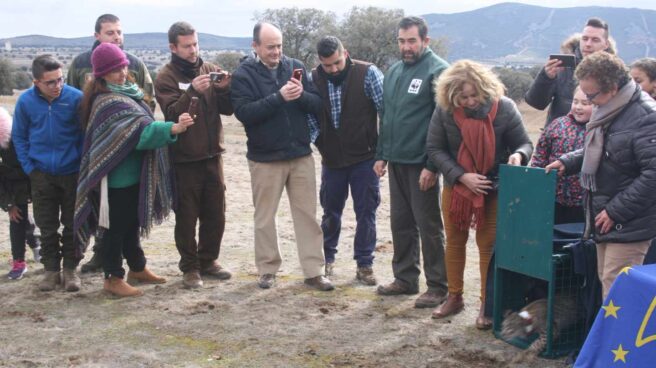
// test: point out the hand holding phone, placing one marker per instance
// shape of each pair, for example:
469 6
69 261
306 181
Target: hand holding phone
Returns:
193 107
566 61
298 74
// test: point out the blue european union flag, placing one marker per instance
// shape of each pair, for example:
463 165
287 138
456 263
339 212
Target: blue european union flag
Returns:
624 332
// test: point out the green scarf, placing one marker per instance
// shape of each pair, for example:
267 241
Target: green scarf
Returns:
129 89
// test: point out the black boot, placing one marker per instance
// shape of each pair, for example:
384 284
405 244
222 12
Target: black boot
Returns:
95 263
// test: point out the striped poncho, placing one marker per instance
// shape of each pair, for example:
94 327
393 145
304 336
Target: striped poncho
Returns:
115 125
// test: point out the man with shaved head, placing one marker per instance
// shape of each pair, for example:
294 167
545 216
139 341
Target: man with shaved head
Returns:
273 98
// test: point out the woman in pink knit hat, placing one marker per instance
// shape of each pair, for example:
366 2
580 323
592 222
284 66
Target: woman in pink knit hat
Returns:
125 183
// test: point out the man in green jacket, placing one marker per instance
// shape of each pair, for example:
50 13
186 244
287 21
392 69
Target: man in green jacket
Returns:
408 101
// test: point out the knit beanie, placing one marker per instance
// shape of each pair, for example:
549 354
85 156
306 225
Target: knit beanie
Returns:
106 58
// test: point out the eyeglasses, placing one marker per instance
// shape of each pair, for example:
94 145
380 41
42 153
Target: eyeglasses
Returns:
592 96
53 83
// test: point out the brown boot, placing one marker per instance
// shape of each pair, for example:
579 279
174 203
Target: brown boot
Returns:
453 305
120 288
145 277
482 322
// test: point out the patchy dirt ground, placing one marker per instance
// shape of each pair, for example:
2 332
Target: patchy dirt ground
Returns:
234 323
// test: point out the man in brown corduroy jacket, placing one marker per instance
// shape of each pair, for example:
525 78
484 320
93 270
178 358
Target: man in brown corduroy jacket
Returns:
200 183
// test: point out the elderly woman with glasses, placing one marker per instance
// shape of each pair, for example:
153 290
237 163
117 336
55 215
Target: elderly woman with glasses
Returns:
473 130
617 165
125 183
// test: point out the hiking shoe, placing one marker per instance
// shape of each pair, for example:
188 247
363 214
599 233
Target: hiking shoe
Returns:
395 288
430 299
320 283
192 280
266 281
215 270
49 281
329 269
94 264
18 269
366 275
70 280
36 254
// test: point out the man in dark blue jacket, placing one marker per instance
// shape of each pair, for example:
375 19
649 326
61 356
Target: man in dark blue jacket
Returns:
48 141
274 108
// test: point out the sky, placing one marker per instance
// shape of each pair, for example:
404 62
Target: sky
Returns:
76 18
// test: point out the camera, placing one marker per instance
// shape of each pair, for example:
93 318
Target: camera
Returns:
216 76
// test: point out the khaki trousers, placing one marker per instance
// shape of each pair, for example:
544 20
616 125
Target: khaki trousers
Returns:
297 176
456 243
612 257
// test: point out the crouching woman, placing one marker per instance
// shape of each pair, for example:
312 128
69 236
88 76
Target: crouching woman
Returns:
124 185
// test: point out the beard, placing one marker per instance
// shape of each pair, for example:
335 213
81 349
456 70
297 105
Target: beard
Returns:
410 57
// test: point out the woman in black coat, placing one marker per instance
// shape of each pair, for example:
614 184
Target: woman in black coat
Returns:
617 165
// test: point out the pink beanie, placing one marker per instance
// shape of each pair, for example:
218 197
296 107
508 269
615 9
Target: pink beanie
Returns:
106 58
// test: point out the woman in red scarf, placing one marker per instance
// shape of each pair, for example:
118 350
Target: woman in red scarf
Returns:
473 130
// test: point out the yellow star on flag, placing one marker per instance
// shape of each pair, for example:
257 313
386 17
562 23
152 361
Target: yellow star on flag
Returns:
620 354
625 270
611 309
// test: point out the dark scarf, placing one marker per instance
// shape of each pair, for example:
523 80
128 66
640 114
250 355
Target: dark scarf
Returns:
475 155
189 70
339 78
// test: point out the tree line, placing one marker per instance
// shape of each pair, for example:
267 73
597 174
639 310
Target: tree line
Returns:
368 33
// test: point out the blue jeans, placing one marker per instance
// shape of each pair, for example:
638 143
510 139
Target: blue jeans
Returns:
365 190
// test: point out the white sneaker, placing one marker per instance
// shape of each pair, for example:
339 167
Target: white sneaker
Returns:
36 253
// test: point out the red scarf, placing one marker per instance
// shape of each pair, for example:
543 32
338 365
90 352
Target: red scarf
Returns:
475 155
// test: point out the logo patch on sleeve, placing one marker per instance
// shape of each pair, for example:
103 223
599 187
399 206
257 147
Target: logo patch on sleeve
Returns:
415 85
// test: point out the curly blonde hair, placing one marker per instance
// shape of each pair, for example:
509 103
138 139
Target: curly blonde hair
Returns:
451 82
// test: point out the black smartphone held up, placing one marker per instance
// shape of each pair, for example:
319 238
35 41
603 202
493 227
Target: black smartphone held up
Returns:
566 61
193 107
217 76
298 74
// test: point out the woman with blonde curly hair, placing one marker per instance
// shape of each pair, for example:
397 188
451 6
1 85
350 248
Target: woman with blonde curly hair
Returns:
474 129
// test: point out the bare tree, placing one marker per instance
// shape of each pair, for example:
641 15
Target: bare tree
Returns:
516 82
440 46
370 34
6 77
301 30
228 61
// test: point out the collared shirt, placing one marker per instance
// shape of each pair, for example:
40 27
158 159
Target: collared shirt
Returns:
373 89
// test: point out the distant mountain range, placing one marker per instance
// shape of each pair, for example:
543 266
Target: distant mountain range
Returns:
148 41
519 32
507 32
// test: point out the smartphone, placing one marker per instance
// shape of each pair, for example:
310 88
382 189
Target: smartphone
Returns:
193 107
567 61
217 76
298 74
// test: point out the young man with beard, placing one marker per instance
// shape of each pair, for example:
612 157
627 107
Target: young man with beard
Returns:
414 187
554 85
48 141
108 29
352 94
200 183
